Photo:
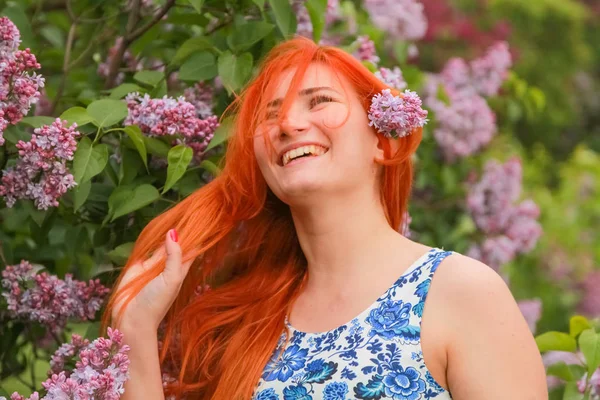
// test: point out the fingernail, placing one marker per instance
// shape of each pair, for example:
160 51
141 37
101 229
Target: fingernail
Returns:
173 235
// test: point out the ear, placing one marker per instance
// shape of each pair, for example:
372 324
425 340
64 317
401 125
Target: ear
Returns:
385 145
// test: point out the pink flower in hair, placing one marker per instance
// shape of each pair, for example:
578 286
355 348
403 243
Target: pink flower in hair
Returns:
396 116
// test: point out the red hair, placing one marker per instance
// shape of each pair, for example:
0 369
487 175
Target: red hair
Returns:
244 242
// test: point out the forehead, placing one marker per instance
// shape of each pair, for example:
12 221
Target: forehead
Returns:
316 75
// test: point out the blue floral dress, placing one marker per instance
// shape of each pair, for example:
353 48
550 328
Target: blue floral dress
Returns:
375 356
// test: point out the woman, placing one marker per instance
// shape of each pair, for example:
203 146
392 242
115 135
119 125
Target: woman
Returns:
313 292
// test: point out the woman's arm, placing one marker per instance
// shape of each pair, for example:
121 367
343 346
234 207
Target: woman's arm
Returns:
491 351
145 379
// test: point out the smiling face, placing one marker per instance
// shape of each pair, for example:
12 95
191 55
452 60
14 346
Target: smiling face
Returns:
324 143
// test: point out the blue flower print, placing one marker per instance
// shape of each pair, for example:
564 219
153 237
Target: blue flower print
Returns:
403 384
389 319
296 393
292 360
335 391
267 394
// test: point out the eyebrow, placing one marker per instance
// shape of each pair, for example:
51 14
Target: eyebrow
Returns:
303 92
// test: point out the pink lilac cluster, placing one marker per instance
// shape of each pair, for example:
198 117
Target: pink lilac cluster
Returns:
201 96
19 86
128 59
366 50
304 25
590 302
466 123
169 116
532 311
510 228
391 77
46 299
396 116
100 372
40 173
593 385
401 19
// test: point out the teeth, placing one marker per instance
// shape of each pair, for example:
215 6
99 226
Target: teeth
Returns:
315 150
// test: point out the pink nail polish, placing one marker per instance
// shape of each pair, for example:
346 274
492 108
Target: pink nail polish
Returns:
173 235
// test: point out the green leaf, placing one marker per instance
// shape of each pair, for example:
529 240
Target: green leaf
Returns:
222 133
197 4
179 158
316 10
589 343
572 392
124 89
284 16
190 47
77 115
156 146
107 112
560 370
135 134
54 35
151 78
555 341
38 121
578 324
245 36
121 253
235 70
80 194
130 165
210 167
260 4
199 67
93 331
125 200
89 160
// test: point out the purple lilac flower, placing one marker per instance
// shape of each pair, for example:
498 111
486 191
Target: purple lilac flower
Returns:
66 353
169 116
40 173
19 87
590 302
304 25
396 116
510 228
402 19
49 300
366 50
532 311
593 384
391 77
201 96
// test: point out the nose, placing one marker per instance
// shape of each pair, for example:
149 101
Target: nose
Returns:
294 123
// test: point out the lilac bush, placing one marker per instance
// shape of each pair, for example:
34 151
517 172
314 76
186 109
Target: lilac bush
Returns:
404 20
48 300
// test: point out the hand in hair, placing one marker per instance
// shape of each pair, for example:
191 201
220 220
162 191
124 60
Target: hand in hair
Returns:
148 308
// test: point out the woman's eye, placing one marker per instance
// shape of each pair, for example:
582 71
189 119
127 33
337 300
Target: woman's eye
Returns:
320 99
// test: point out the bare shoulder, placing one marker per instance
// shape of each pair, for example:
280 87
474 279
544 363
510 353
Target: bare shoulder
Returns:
490 351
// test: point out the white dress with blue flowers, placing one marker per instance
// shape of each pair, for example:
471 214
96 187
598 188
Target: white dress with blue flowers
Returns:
375 356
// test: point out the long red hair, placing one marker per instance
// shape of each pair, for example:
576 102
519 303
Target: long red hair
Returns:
244 243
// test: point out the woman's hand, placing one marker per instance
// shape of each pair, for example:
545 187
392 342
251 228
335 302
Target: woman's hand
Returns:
148 308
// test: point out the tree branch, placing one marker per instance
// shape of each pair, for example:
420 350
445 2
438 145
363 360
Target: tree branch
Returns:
157 17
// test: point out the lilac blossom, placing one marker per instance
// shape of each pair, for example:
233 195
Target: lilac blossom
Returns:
402 19
100 372
396 116
510 228
304 25
590 301
169 116
391 77
532 311
40 173
47 299
19 86
201 96
366 50
593 384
